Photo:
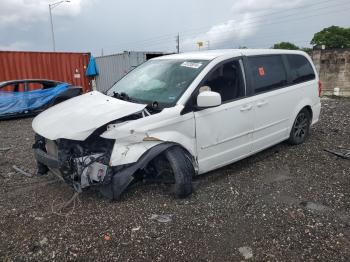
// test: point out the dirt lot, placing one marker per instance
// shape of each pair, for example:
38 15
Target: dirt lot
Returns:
286 203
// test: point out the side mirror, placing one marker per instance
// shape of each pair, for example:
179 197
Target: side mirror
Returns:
208 99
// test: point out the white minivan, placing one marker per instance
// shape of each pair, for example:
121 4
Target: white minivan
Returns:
178 116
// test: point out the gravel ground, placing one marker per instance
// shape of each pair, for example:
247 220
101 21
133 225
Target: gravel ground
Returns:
287 203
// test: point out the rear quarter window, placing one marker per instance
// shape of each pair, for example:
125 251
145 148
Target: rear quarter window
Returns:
300 69
267 72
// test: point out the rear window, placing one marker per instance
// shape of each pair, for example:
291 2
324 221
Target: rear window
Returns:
301 69
267 73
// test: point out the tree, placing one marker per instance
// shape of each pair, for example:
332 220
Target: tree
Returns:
332 37
285 45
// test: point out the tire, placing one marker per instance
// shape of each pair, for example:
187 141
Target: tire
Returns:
301 128
183 171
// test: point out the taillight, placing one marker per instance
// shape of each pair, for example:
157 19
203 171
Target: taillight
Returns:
319 88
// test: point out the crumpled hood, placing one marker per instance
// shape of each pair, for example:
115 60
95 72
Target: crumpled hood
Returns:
79 117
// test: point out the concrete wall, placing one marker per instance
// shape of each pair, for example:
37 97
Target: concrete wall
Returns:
333 67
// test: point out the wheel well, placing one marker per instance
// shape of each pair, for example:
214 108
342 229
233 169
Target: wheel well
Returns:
186 152
162 155
190 157
308 108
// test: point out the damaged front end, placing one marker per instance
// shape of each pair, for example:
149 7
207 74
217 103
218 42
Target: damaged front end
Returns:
77 140
81 164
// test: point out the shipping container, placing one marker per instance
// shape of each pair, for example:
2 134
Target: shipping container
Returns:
60 66
112 68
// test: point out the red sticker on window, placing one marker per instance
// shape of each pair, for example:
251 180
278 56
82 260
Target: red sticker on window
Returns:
261 71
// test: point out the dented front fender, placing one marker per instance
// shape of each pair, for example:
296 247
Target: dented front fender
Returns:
133 138
126 153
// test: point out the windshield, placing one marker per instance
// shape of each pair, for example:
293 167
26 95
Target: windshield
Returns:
160 81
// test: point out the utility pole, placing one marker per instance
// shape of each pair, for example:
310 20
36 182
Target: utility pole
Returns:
52 6
52 32
178 43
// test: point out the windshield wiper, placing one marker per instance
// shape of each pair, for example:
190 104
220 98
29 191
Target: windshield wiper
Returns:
154 106
123 96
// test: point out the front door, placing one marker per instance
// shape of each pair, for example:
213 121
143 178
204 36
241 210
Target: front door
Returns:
223 133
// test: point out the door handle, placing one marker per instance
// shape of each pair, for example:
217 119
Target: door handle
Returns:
246 108
262 103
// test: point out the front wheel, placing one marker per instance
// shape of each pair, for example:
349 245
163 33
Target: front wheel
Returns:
173 168
183 171
301 128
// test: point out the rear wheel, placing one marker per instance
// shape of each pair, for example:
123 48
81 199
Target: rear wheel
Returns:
301 128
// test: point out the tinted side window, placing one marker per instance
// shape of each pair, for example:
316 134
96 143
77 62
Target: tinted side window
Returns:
227 80
301 69
267 72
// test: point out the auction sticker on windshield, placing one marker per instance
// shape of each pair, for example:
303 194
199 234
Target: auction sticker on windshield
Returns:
191 65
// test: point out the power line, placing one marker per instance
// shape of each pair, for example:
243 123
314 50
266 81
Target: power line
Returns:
278 21
272 23
169 36
278 13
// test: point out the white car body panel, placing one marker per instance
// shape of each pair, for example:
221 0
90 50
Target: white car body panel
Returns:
124 153
272 125
78 117
167 126
223 134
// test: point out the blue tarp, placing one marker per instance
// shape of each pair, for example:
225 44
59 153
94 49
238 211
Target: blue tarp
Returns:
92 68
17 102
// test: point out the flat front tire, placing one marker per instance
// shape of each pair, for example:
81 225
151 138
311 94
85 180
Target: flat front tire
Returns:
183 171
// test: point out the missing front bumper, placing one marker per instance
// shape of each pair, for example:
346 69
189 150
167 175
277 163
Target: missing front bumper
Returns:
111 181
84 172
44 158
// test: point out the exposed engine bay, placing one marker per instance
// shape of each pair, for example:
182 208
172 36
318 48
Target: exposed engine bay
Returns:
80 163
